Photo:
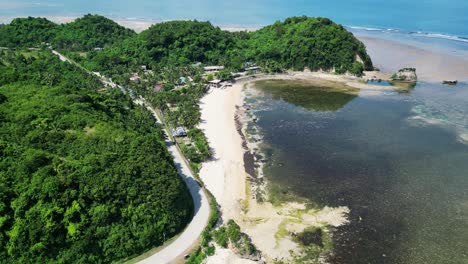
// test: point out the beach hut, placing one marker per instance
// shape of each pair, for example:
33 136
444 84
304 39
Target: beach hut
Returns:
214 83
253 69
183 80
158 87
249 64
135 78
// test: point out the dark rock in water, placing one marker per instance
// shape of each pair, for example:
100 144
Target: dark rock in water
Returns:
309 237
450 82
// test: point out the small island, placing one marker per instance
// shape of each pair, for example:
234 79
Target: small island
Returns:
405 77
451 82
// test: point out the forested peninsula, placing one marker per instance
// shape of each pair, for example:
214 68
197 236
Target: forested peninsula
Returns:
85 176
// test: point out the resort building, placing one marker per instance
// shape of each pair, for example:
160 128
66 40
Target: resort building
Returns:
135 78
253 69
214 83
213 68
158 87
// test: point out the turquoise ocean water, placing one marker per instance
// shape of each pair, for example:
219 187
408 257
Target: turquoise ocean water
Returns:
441 19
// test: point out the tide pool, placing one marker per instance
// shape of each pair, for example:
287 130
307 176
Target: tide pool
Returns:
398 161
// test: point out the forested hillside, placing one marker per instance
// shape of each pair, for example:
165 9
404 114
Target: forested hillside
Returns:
84 174
27 32
90 32
173 43
298 42
83 34
316 43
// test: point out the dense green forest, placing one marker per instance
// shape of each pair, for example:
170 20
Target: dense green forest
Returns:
298 42
90 32
84 173
27 32
316 43
83 34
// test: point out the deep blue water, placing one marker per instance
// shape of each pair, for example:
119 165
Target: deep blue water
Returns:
447 17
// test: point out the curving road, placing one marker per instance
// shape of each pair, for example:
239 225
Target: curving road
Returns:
200 201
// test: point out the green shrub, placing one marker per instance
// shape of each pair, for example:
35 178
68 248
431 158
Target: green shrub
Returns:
210 251
220 237
233 231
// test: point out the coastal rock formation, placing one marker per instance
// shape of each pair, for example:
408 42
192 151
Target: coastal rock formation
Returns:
405 75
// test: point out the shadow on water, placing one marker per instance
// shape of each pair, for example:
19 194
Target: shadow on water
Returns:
311 97
403 87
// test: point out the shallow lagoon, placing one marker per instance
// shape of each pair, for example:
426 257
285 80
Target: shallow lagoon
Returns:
399 161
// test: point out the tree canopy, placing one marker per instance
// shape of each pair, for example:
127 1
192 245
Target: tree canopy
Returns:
296 43
316 43
83 34
90 32
27 32
84 174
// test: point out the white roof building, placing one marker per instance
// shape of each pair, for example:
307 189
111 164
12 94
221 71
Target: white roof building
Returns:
213 68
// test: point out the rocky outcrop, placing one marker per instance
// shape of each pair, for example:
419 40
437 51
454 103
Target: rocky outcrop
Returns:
405 75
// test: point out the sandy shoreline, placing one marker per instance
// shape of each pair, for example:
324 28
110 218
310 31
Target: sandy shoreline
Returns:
269 226
431 66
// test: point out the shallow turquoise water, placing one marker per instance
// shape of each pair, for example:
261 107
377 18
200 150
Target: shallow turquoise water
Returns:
398 161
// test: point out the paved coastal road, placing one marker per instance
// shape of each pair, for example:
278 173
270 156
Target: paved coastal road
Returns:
201 203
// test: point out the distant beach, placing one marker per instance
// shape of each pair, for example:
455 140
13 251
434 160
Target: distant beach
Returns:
431 66
138 25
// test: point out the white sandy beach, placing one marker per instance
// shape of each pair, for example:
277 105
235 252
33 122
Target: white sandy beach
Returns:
225 177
